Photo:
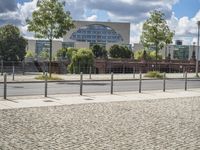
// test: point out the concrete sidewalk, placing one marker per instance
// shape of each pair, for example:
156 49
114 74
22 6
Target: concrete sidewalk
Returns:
75 77
57 100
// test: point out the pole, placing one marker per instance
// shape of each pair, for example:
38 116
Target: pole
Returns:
5 86
45 87
111 85
81 83
2 67
186 81
197 60
164 81
133 72
50 58
23 67
90 72
13 72
140 83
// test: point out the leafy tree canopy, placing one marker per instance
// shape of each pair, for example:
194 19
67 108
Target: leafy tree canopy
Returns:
50 20
117 51
81 61
146 55
156 32
12 44
99 51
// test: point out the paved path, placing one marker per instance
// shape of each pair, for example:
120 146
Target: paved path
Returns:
127 121
69 99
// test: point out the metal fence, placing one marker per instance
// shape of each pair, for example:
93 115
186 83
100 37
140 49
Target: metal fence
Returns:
82 86
61 67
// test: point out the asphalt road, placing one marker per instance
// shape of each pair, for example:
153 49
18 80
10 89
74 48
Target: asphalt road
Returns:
24 89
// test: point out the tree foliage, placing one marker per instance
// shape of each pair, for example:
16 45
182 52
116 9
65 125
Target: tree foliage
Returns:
30 54
50 20
156 32
117 51
66 53
81 61
99 51
147 55
12 44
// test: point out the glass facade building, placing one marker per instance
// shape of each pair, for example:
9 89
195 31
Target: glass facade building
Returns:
96 33
42 45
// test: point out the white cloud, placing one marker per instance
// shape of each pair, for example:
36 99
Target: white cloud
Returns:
134 11
92 18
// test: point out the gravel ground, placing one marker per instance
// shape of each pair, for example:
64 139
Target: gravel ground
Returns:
156 124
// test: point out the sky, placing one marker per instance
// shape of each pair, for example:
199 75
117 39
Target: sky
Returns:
181 15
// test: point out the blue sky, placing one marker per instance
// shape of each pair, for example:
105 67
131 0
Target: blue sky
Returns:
186 8
181 15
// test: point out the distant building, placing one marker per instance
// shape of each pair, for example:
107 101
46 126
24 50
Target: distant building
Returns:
86 34
177 51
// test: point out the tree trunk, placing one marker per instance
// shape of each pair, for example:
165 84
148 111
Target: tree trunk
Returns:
50 57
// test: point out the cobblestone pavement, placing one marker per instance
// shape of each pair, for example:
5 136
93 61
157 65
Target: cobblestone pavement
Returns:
154 124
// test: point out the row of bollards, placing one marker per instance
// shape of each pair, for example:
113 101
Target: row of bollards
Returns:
81 83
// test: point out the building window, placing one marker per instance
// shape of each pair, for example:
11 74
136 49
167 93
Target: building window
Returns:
98 33
42 45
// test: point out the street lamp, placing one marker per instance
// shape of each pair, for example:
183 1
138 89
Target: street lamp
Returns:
197 60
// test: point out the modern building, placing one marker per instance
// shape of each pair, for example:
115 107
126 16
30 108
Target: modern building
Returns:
85 34
177 50
88 33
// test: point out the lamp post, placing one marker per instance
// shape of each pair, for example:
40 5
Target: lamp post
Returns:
197 60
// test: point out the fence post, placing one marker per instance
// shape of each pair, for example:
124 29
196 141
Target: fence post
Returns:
45 87
133 72
81 83
164 81
90 76
140 82
23 67
5 86
2 67
186 81
111 85
13 72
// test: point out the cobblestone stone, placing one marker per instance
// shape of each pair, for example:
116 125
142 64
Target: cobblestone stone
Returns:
155 124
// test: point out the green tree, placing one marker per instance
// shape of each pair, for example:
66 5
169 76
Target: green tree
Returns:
50 21
70 52
12 44
81 61
156 32
62 53
99 51
147 55
117 51
30 54
44 54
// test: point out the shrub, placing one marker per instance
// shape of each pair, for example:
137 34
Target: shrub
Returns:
42 77
154 74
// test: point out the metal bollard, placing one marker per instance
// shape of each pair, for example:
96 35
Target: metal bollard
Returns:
133 72
5 86
164 81
23 67
13 72
81 83
140 83
45 87
186 81
111 85
1 67
90 76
